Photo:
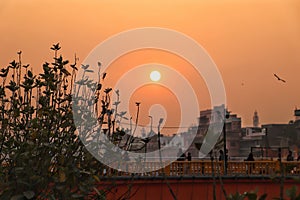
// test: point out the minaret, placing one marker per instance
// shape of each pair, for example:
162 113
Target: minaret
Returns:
255 119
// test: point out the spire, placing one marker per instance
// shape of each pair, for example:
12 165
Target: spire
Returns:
255 119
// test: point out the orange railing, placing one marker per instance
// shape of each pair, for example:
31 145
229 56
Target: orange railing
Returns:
208 168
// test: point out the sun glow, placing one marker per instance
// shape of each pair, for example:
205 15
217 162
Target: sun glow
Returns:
155 76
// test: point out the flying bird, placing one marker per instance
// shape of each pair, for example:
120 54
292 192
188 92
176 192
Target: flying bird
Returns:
279 79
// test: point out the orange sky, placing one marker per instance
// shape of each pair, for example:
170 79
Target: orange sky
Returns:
249 40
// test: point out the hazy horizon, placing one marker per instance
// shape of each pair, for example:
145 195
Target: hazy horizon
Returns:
249 41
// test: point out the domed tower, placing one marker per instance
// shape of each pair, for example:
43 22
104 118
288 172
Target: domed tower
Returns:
255 119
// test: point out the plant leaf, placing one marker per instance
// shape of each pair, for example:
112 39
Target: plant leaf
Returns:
29 194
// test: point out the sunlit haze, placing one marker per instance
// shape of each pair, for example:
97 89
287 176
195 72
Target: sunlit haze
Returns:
249 41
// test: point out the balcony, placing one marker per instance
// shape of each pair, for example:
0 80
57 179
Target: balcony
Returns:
204 168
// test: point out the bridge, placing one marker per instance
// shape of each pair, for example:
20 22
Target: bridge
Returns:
203 179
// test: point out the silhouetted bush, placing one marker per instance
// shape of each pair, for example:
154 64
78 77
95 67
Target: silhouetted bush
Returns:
42 156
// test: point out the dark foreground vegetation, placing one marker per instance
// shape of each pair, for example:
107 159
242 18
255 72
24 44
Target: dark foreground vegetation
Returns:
42 156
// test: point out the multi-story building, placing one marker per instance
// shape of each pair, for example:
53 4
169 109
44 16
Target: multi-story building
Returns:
233 131
204 120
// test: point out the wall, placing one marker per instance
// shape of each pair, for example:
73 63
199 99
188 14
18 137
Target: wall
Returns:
193 188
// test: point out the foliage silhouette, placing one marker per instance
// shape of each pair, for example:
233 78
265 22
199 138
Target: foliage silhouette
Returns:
42 156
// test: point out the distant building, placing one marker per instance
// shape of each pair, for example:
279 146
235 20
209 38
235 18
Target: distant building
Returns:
172 141
204 120
266 140
297 125
263 141
152 144
277 134
297 114
190 137
233 133
297 129
252 137
282 136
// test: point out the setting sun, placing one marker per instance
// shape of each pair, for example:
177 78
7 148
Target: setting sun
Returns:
155 76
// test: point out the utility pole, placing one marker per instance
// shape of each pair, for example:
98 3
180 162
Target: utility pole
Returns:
158 137
151 123
224 137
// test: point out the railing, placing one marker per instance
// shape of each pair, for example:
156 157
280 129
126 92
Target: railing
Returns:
208 168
